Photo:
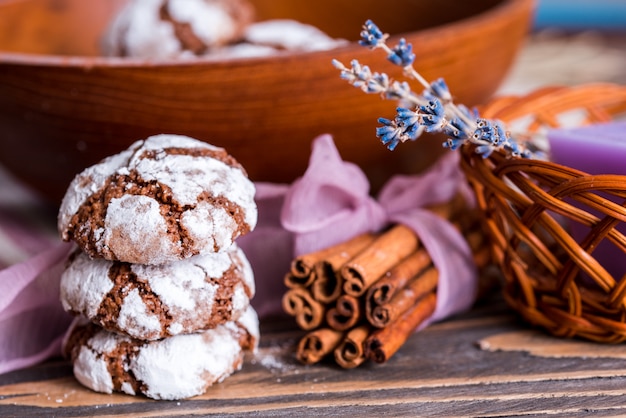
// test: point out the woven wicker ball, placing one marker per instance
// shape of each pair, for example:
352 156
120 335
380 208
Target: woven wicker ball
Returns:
530 208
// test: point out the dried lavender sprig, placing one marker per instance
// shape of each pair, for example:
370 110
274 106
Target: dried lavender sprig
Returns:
362 77
435 109
402 55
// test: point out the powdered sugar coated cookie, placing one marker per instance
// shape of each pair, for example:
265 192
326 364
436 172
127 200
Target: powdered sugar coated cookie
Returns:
162 29
172 368
150 302
166 198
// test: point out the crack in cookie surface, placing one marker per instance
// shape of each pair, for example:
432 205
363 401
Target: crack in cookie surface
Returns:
153 302
88 225
141 325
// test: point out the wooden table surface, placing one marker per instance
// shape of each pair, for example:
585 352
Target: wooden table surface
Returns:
482 363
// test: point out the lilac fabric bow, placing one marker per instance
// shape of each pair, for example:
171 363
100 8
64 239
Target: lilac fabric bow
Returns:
331 204
32 320
328 205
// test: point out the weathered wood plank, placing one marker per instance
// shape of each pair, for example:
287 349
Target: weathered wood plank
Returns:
441 371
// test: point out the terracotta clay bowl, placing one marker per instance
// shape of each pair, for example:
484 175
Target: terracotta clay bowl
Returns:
63 107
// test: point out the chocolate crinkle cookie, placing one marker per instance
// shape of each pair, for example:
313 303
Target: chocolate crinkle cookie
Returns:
163 29
150 302
173 368
166 198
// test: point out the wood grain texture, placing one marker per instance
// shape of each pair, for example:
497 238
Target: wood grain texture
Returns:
441 371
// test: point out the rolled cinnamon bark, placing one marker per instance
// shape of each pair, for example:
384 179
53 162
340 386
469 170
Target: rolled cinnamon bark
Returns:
293 281
377 259
305 269
382 315
307 312
384 289
315 345
345 314
328 283
385 342
350 352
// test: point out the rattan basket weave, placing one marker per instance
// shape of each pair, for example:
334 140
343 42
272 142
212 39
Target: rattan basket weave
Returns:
529 206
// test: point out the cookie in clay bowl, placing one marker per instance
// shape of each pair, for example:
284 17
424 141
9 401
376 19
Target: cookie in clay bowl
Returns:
165 198
162 29
150 302
172 368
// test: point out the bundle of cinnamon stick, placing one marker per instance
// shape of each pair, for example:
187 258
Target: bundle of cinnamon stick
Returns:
362 299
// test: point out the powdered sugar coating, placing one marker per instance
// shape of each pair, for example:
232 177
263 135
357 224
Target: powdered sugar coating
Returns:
177 382
89 182
209 20
188 176
173 368
138 31
134 227
166 198
249 320
290 35
276 36
242 50
82 288
91 370
162 29
152 302
135 318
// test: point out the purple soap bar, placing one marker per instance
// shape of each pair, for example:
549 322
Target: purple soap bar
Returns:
595 149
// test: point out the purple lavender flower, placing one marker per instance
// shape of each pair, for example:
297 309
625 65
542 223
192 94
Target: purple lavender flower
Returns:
371 36
398 91
435 109
484 150
361 72
501 136
432 115
409 120
456 129
441 91
378 83
485 131
402 54
390 133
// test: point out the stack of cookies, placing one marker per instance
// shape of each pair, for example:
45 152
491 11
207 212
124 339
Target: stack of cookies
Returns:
160 288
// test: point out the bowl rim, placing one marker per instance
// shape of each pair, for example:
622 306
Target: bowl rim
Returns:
504 7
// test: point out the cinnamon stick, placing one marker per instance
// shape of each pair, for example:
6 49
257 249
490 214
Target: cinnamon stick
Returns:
293 281
301 272
328 283
420 285
378 258
315 345
307 312
345 314
350 352
383 290
385 342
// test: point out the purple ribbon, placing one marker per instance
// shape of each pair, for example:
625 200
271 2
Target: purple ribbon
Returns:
32 320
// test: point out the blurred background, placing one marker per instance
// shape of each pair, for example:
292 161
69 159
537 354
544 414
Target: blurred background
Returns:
572 42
